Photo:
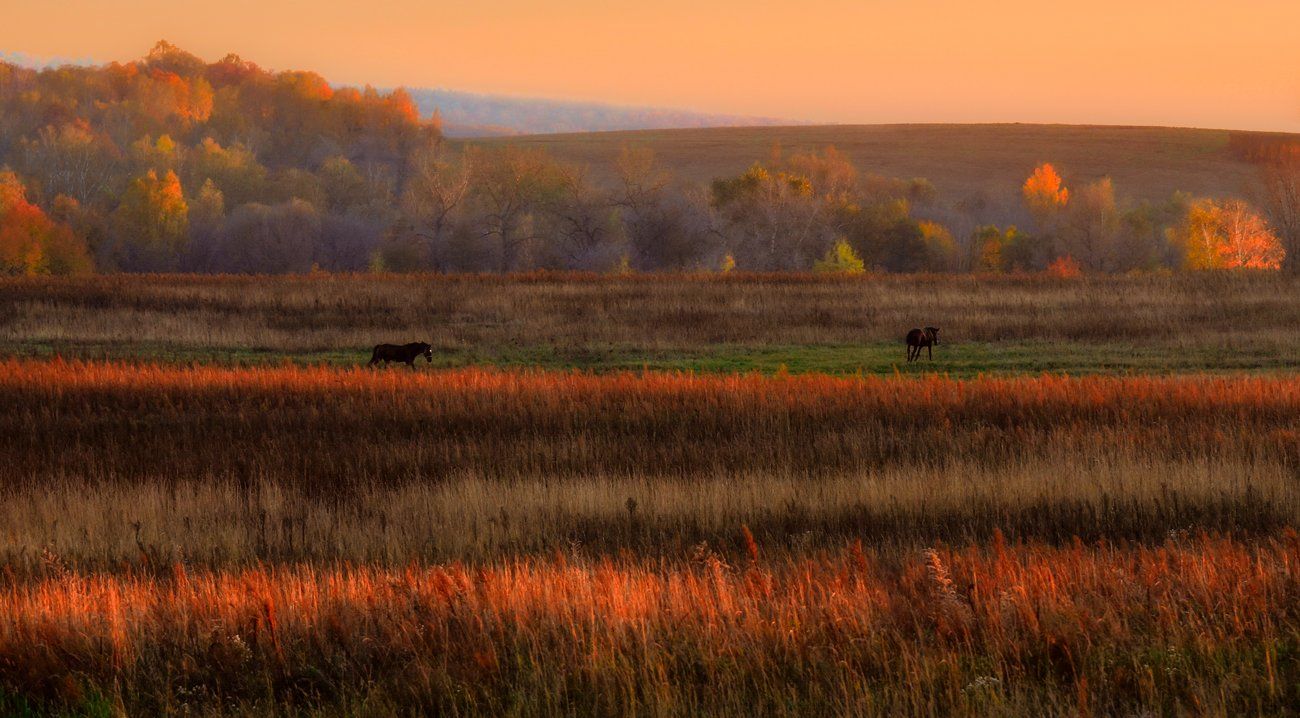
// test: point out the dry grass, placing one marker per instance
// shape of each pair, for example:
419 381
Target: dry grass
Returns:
1194 625
126 527
328 430
218 540
119 466
1222 312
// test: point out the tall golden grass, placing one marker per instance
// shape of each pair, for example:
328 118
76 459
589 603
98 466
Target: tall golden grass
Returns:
1227 311
125 527
1194 625
113 463
484 542
328 429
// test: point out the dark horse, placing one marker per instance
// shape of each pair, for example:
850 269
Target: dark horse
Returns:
401 352
921 338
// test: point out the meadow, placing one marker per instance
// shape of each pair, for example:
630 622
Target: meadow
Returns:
1199 625
208 506
1026 324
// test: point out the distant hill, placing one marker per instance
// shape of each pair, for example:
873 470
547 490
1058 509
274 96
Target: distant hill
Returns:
41 63
468 114
960 160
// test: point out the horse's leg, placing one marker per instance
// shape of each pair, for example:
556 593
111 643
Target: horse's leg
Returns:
930 348
910 350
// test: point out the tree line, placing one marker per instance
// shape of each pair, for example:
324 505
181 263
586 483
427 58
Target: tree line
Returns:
171 163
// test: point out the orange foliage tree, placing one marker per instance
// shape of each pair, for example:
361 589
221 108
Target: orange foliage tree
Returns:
1064 268
1226 235
1045 194
31 242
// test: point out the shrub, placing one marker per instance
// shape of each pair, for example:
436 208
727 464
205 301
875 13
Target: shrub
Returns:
840 259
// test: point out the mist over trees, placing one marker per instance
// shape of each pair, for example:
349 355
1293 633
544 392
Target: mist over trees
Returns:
171 163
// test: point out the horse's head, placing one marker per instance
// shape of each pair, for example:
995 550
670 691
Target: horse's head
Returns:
428 352
933 334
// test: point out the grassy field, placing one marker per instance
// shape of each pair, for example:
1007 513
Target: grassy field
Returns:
1192 626
209 507
971 359
206 465
315 540
844 325
1148 163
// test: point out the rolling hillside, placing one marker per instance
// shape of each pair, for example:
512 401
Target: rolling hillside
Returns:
472 114
961 160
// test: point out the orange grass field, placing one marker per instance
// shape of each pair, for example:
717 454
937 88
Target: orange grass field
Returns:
1192 625
313 540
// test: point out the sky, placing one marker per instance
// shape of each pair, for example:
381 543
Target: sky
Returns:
1204 63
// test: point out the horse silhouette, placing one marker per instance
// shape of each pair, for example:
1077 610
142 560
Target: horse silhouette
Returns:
922 338
405 353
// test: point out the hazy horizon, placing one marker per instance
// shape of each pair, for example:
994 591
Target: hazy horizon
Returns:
1195 64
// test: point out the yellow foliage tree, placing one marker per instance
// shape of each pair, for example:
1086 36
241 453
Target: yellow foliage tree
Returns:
940 249
840 259
1226 235
152 222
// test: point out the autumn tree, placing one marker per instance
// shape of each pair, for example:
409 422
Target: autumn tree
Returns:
166 57
30 242
84 136
777 215
1226 235
998 250
770 216
1045 196
164 101
988 241
940 248
234 170
830 172
886 236
840 259
160 155
150 226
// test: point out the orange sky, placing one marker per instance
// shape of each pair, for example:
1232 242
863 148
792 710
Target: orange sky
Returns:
1210 63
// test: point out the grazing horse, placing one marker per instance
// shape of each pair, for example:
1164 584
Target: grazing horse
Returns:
401 352
919 338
